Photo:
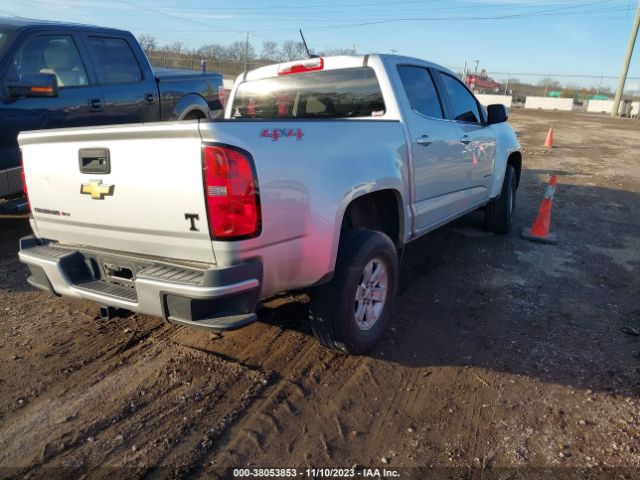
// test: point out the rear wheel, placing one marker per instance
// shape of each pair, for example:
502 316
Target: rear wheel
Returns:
350 313
499 214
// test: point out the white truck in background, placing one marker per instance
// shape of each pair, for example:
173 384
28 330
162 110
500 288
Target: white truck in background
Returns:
321 172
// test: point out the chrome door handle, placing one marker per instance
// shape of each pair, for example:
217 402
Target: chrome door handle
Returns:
424 140
466 139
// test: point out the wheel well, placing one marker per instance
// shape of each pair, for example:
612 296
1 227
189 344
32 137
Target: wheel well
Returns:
376 211
515 159
194 115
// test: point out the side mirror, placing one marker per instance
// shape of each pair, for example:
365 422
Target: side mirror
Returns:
35 85
497 114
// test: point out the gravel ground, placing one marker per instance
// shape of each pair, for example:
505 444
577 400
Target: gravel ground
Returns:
505 359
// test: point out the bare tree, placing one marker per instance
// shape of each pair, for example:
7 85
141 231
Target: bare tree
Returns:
269 50
175 47
549 82
214 50
237 51
293 50
147 42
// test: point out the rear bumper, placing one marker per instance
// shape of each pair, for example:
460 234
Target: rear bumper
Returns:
211 298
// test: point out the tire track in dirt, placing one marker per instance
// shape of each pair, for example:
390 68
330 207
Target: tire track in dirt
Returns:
161 407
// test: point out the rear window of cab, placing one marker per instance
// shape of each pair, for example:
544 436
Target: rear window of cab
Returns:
342 93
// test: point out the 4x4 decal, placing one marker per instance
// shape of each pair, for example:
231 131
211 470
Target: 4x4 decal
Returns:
276 133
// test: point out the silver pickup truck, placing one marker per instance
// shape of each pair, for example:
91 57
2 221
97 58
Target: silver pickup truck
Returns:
321 172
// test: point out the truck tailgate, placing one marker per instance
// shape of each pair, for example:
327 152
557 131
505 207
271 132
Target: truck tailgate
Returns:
150 202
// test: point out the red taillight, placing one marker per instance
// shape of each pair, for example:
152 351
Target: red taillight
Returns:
231 192
24 186
222 95
309 65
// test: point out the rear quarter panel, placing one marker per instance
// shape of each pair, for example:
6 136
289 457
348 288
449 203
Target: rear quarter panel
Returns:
305 187
174 85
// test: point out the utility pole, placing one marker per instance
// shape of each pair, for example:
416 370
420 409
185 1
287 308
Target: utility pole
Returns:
246 51
625 66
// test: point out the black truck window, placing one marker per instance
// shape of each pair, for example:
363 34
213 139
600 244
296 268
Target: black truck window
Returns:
465 108
53 54
420 91
116 62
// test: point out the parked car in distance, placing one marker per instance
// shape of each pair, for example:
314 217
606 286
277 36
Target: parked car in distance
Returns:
321 172
55 75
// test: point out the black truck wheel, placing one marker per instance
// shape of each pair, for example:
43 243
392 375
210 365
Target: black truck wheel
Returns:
350 312
500 213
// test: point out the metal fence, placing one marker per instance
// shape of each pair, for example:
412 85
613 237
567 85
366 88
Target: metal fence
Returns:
226 67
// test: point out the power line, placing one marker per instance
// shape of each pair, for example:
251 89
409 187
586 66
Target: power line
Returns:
567 8
399 20
274 9
562 75
328 15
307 7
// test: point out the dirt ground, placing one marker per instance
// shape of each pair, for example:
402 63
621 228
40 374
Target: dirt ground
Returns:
505 357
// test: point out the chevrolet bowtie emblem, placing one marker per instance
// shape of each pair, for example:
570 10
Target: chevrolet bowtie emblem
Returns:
96 189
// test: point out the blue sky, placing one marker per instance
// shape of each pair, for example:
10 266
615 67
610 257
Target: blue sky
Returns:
522 36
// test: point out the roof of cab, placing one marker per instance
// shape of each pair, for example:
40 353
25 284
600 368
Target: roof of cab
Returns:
19 24
342 61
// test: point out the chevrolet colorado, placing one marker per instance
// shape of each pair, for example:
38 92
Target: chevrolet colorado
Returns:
321 172
55 75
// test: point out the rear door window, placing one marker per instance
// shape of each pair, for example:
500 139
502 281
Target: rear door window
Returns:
343 93
420 90
463 104
115 61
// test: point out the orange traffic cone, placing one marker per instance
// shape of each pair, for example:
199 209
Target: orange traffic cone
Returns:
549 140
539 231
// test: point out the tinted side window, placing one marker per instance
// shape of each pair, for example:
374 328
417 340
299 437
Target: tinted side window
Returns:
343 93
52 54
465 108
420 90
115 61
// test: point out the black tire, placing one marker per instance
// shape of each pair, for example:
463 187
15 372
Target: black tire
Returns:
334 306
500 213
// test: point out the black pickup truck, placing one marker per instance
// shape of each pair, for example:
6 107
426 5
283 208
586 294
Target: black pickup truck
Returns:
55 75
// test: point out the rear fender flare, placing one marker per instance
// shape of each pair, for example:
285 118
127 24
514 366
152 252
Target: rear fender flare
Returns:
190 103
392 184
